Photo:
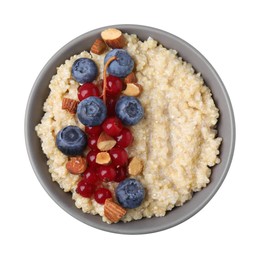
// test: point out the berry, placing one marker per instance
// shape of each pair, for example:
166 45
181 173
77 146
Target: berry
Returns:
122 66
90 176
93 130
92 142
91 111
106 173
91 158
112 126
125 138
101 194
129 110
111 104
114 85
71 141
84 70
121 174
86 190
119 156
130 193
88 90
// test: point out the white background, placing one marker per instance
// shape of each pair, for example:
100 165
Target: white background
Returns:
33 226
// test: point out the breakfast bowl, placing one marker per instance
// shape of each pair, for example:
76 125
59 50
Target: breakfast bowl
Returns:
225 130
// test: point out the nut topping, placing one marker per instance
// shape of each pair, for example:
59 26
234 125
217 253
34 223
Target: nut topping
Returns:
130 78
113 211
76 165
103 158
98 47
70 105
135 166
105 142
132 89
114 38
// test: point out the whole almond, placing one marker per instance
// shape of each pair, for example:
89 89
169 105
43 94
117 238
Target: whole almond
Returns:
76 165
105 142
114 38
98 47
113 211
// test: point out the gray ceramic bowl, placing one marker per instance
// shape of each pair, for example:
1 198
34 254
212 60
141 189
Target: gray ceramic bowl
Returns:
226 129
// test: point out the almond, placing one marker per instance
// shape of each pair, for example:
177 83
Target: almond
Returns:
70 105
135 166
114 38
103 158
113 211
76 165
105 142
98 47
132 89
130 78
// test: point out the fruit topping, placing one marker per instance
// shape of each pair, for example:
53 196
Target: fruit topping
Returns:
130 193
93 130
103 158
125 138
101 194
119 156
135 166
111 104
113 211
132 89
129 110
91 111
76 165
105 142
84 70
121 174
122 65
114 38
130 78
71 141
88 90
114 85
86 190
112 126
106 173
98 47
70 105
91 158
90 176
92 142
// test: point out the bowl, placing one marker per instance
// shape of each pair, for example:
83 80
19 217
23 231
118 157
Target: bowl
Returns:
226 129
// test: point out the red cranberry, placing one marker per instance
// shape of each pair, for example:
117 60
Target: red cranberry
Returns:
90 176
101 194
112 126
121 174
91 158
86 190
87 90
106 173
125 138
111 104
114 86
93 130
119 156
92 142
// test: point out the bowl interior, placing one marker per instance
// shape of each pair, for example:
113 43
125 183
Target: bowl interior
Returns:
226 129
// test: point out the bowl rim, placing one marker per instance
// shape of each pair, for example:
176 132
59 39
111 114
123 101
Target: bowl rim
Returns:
126 27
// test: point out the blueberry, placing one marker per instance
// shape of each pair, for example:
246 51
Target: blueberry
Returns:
71 140
129 110
91 111
130 193
84 70
122 66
